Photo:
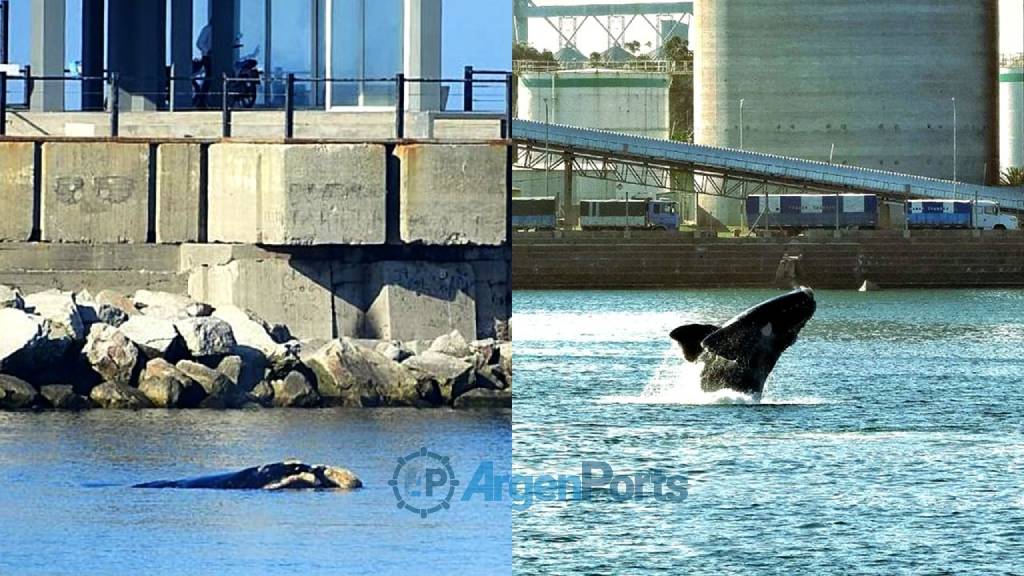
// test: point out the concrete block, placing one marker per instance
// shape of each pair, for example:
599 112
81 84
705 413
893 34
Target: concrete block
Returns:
177 193
95 192
16 199
420 301
295 293
297 194
453 194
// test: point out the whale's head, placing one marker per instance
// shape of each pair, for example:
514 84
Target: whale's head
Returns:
752 341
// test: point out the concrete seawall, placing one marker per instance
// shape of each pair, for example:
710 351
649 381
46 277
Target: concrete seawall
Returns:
920 259
381 239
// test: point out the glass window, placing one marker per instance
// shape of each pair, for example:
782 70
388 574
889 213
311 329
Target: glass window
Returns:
292 51
366 42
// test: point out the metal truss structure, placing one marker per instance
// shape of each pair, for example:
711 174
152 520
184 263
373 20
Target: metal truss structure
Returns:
567 20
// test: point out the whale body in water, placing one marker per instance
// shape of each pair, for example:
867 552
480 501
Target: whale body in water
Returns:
287 475
742 352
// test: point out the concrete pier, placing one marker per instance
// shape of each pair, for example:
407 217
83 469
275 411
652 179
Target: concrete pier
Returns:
302 233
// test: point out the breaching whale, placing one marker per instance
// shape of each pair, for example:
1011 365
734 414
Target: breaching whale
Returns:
742 352
287 475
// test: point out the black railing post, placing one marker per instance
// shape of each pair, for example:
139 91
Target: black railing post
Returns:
171 104
3 102
27 85
289 106
400 106
5 31
509 93
225 109
115 106
467 90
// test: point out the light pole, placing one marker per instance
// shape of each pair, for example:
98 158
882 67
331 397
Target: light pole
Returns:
954 146
743 190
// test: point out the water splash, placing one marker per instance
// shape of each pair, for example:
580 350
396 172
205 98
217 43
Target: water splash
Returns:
678 382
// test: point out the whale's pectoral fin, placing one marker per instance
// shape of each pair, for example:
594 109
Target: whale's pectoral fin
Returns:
689 337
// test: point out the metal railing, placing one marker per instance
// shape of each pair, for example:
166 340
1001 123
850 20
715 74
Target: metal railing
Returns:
652 66
230 88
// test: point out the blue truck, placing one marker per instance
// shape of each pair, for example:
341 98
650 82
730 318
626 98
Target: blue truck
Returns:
620 214
958 214
534 213
802 211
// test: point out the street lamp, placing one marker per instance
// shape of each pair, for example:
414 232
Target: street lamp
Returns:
954 145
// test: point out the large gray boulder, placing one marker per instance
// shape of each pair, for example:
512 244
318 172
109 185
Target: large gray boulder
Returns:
60 312
485 352
393 350
206 336
348 374
453 376
245 373
119 396
11 298
63 397
116 300
15 393
294 391
249 330
19 335
155 337
169 306
481 398
93 312
168 387
110 353
221 392
505 358
452 344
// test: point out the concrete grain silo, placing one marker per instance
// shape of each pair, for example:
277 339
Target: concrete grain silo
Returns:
1011 113
875 79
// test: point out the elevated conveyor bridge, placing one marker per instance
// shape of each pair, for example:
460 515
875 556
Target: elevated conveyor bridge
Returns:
726 172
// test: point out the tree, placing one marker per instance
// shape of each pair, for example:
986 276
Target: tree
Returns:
1012 177
633 47
523 51
677 50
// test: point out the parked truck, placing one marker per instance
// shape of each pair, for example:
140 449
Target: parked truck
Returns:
983 214
620 214
803 211
534 213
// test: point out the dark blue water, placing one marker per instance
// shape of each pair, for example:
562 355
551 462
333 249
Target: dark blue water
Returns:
890 438
65 507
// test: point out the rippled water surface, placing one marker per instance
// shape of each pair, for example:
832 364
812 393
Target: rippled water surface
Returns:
65 507
890 437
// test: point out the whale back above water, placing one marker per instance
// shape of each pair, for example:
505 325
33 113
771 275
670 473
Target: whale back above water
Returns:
741 353
287 475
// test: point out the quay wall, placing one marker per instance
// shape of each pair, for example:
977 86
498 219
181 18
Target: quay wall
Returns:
659 260
310 234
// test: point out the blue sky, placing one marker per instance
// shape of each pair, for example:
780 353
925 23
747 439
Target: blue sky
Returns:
477 32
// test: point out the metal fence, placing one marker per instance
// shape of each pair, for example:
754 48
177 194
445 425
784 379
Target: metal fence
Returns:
106 90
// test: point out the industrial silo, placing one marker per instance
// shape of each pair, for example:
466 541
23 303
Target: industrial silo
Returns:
876 80
1011 112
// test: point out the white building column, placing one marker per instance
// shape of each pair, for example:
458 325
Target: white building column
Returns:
423 53
48 54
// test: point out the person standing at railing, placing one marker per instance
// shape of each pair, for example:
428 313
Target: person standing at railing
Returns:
205 45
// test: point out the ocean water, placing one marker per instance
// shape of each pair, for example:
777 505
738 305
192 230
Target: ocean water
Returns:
890 437
66 506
